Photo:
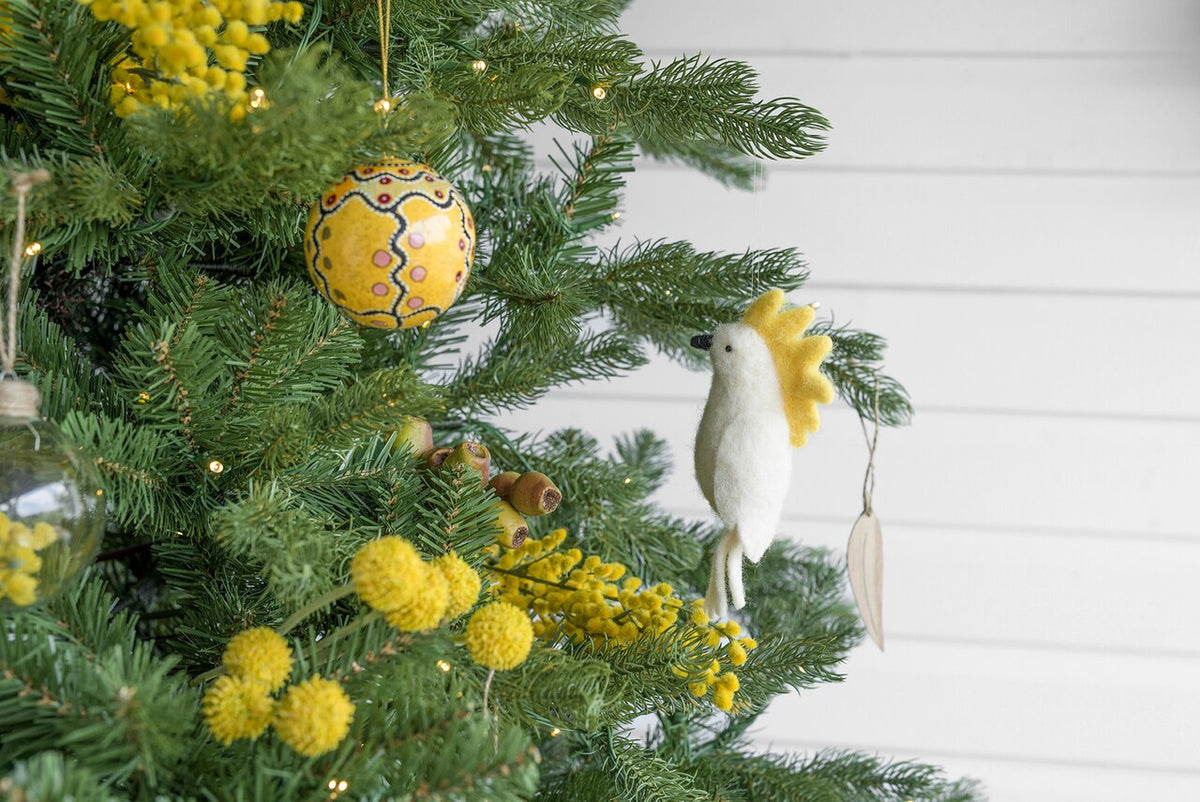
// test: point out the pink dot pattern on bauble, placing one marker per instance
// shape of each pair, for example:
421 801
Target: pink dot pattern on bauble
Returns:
418 273
429 178
385 180
458 276
440 194
382 258
416 239
462 244
379 289
378 324
385 198
415 303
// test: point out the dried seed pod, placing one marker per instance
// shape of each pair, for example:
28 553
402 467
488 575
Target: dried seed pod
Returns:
512 529
474 455
534 493
417 434
502 483
435 458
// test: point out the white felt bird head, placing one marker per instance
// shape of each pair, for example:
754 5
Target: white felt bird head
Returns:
769 340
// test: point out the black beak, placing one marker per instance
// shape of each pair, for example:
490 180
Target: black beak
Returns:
702 341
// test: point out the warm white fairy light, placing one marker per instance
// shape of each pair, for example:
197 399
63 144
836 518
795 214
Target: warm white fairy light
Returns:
33 249
258 98
383 105
599 92
443 666
216 466
479 65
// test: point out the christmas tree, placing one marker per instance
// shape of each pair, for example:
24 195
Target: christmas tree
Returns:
327 568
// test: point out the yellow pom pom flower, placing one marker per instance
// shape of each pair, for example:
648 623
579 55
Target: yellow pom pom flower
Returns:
463 582
314 716
428 607
260 654
387 573
236 707
499 636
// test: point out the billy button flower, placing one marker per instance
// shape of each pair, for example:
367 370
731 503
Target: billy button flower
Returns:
388 573
428 605
499 636
462 581
237 707
314 716
261 655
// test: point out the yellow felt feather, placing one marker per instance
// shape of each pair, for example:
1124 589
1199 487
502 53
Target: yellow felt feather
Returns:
797 360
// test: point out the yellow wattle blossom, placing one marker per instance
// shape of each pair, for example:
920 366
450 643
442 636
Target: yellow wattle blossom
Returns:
237 707
595 603
314 716
428 606
584 599
387 573
724 687
462 581
499 636
19 559
260 654
182 49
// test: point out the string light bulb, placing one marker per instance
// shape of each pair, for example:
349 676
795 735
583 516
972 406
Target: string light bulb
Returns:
258 98
383 105
479 65
443 666
216 466
554 733
599 92
337 785
33 249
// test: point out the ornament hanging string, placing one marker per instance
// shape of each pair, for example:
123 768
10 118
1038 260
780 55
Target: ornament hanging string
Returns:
872 441
18 399
384 8
22 184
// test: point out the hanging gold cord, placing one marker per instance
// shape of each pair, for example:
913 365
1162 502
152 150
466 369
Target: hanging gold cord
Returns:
384 7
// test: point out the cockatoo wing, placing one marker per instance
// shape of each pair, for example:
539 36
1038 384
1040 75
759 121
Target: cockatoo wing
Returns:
752 472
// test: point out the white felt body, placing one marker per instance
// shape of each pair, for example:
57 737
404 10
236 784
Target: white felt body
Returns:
743 448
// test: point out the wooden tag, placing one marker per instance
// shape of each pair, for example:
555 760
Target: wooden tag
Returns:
864 564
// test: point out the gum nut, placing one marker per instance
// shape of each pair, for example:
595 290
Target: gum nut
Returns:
534 493
502 483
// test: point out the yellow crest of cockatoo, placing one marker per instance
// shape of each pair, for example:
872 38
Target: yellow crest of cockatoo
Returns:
763 401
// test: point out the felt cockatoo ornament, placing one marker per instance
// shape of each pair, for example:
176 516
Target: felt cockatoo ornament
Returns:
763 402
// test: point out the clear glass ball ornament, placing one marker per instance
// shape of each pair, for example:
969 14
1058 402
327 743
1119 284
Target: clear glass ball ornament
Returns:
51 506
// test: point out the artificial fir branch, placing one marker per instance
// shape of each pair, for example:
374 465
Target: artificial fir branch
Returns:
246 432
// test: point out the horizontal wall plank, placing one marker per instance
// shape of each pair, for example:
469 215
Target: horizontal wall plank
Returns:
964 114
1028 590
1129 236
971 116
1029 706
950 469
1065 356
1032 780
964 26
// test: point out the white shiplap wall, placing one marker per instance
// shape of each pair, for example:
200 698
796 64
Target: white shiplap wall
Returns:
1011 196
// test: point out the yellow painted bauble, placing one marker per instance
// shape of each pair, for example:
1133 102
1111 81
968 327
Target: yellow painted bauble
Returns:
391 244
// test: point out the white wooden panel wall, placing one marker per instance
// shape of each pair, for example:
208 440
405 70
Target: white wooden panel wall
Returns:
1012 196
